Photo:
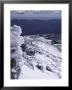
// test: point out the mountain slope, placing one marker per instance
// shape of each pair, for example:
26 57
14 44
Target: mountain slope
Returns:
36 57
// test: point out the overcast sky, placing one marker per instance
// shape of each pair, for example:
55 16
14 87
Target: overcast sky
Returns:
43 15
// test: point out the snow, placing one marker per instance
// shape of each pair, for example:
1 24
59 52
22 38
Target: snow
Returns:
40 60
28 73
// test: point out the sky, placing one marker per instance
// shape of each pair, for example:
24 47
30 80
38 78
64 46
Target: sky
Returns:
43 15
37 22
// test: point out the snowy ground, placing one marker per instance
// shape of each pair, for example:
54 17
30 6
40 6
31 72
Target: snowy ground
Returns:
28 73
36 57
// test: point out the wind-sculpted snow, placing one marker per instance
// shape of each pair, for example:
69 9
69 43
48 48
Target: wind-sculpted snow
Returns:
16 52
34 56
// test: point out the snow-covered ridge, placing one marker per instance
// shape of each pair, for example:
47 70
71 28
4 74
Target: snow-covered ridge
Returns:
34 56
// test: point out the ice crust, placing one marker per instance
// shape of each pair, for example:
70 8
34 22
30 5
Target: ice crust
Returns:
36 57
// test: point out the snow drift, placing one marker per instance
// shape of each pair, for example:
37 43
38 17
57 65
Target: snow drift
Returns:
34 56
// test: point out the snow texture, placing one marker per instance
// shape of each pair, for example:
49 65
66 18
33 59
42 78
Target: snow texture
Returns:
34 56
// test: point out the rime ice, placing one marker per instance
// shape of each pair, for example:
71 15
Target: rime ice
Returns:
34 56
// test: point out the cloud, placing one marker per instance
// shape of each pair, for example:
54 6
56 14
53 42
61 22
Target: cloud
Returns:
19 14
